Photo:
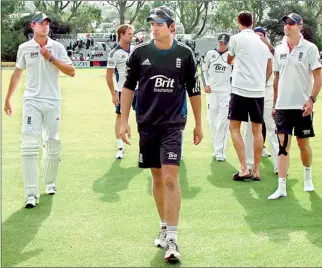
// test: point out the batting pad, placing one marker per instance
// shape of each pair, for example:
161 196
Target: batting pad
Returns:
51 160
29 163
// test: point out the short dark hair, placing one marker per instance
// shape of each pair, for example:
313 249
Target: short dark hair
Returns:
245 18
122 30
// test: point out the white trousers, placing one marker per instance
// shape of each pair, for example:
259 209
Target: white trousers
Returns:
270 132
217 113
42 119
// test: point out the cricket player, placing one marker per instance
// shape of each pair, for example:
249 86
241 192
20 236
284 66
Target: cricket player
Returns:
216 74
43 58
165 69
296 66
268 119
252 68
116 63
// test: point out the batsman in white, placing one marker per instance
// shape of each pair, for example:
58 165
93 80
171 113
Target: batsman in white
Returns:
296 65
116 63
268 119
43 58
216 74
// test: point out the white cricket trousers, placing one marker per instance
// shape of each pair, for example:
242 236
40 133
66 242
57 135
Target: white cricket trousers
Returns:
217 113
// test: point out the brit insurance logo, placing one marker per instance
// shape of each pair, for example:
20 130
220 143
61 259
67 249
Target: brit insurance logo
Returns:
219 68
163 83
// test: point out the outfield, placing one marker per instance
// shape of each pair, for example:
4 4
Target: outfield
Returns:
104 214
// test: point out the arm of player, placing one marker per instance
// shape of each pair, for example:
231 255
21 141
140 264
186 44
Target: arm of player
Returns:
204 74
14 81
231 50
315 66
62 62
269 69
195 98
110 83
132 77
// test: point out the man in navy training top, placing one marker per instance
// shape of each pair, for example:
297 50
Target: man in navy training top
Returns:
165 69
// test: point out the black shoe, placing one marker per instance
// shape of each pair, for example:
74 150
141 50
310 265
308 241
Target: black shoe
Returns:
237 177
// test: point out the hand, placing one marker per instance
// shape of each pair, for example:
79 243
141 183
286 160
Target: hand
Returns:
307 107
197 135
207 89
7 108
45 52
115 98
273 112
125 133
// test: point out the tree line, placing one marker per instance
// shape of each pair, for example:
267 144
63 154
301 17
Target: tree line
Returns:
199 17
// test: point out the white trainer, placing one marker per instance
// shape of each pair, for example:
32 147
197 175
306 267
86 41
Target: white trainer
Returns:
160 241
265 153
277 194
51 188
119 153
308 183
31 201
172 253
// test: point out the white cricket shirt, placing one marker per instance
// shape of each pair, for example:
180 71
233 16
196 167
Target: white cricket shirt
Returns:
217 71
42 76
250 63
295 73
117 60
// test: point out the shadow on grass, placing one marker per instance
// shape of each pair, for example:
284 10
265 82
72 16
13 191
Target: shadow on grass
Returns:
187 192
277 219
20 229
114 181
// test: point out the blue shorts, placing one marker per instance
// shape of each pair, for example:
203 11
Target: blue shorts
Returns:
118 107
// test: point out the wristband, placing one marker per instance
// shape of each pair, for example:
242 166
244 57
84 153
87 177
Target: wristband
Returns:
52 59
313 99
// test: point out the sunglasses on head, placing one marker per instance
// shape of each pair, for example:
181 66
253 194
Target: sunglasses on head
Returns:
291 23
159 12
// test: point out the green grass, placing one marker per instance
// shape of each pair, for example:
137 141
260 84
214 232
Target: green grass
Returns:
104 212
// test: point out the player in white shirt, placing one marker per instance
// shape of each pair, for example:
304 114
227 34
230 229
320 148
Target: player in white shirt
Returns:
116 63
268 120
252 68
216 74
296 66
43 58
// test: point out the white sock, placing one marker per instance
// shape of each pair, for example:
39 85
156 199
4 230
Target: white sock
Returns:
282 184
119 143
172 232
308 173
163 224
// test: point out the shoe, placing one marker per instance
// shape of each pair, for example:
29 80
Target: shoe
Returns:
220 159
237 177
276 171
120 153
308 185
265 153
31 202
172 253
277 194
51 188
160 241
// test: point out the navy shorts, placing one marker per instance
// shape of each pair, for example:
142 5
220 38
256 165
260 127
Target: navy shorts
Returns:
160 147
118 107
288 120
241 107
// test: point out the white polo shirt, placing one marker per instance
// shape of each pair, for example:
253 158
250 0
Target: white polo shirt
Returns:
295 73
217 71
117 60
42 76
250 64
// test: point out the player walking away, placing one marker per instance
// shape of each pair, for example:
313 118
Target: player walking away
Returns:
116 63
43 58
268 120
165 69
296 64
216 74
252 68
